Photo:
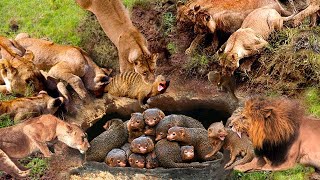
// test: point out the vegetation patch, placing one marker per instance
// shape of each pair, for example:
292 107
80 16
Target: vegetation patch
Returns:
312 97
5 121
38 166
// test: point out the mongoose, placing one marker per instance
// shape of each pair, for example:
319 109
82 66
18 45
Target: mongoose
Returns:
227 139
137 160
224 83
187 153
114 137
126 148
142 145
152 117
196 137
152 160
136 126
116 158
175 120
130 84
169 155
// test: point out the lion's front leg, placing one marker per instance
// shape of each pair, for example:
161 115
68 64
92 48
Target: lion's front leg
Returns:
194 44
9 166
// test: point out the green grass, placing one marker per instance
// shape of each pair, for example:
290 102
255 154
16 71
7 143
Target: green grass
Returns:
5 121
299 172
38 166
312 97
130 3
55 19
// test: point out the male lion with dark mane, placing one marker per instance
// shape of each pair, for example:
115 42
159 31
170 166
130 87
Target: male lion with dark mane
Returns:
281 134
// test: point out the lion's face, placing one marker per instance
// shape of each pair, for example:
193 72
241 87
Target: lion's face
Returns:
230 61
204 22
145 65
20 76
74 137
238 121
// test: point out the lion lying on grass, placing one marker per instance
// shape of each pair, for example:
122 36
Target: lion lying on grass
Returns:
251 37
132 46
281 133
67 63
20 140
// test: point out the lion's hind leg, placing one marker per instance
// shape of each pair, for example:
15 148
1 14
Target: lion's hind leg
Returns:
9 166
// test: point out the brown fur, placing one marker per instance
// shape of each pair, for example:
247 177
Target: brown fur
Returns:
169 155
238 121
137 160
132 46
251 37
10 48
136 126
152 160
187 153
142 145
281 134
20 73
116 158
67 63
196 137
22 108
227 139
130 84
152 117
223 15
175 120
20 140
224 83
115 136
312 10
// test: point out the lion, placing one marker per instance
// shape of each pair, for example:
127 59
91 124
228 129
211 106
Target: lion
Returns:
226 16
19 74
67 63
22 139
251 37
132 46
281 134
10 48
22 108
312 10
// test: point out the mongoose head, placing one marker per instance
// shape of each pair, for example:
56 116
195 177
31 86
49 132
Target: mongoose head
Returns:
176 133
160 85
136 121
187 153
116 158
217 130
152 116
229 63
137 160
149 131
142 145
152 161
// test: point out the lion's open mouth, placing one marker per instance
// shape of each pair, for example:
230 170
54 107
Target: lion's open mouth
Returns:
234 130
161 86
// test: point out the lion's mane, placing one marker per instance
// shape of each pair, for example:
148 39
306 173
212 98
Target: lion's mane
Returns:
273 125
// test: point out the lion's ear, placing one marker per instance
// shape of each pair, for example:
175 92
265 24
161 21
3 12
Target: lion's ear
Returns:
179 3
267 112
133 55
196 8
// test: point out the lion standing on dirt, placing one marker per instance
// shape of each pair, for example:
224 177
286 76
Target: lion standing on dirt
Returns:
132 46
281 134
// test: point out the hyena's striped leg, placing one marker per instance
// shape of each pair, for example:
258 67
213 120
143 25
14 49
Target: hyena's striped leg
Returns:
8 166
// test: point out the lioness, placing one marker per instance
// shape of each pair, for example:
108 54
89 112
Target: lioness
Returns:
10 48
223 15
67 63
132 46
251 37
20 140
22 108
281 134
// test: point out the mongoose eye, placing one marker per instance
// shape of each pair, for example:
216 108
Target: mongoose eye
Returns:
118 161
137 161
139 146
174 134
219 130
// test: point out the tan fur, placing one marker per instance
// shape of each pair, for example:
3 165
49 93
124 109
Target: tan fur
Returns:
281 122
227 139
20 73
20 140
67 63
132 46
116 158
142 145
10 48
223 15
22 108
312 10
136 126
251 37
187 153
130 84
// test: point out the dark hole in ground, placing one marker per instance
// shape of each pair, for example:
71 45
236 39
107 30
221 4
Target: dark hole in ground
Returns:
205 116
